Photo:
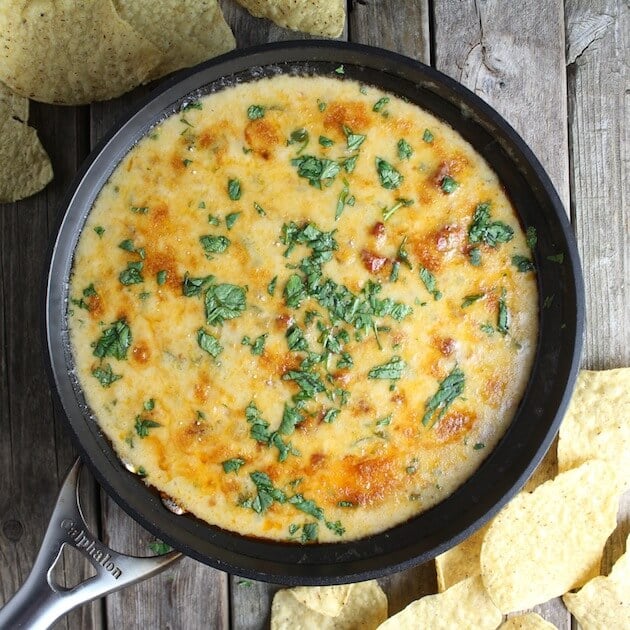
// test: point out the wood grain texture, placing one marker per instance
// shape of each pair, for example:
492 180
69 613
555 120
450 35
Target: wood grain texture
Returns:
599 131
35 449
514 60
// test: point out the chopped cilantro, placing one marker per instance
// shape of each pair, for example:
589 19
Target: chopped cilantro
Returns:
326 142
531 237
404 149
259 209
548 301
258 345
471 299
427 136
115 341
187 162
487 328
255 111
385 421
309 383
345 361
308 506
143 425
214 244
345 199
294 291
295 339
192 287
224 301
316 170
234 189
350 163
388 212
309 532
214 220
128 246
429 282
192 105
522 263
271 287
448 185
474 256
331 415
353 140
267 493
380 104
100 230
321 105
449 389
336 527
557 258
482 230
502 317
390 178
290 419
105 376
393 276
232 465
209 343
402 254
340 69
132 274
149 405
299 136
392 370
345 504
139 210
159 548
161 277
479 445
231 219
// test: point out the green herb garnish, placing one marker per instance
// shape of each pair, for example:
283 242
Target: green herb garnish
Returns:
161 277
299 136
258 345
449 389
259 209
232 465
267 493
326 142
531 237
428 279
309 532
115 341
234 189
388 212
340 69
192 287
392 370
522 263
448 185
345 199
316 170
255 111
427 136
353 140
224 301
557 258
159 548
308 506
271 287
132 274
100 230
231 219
404 149
471 299
380 104
502 317
143 425
390 178
483 230
105 376
331 415
214 244
209 343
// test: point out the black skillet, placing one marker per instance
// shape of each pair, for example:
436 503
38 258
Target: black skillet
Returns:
561 322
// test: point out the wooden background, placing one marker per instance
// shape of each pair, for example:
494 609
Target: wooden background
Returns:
558 72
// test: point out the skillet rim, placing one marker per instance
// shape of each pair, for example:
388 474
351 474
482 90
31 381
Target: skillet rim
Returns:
325 563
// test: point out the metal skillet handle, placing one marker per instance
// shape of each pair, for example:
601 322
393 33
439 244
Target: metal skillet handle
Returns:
41 601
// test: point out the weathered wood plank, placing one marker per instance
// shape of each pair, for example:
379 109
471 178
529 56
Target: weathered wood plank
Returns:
599 132
402 27
514 60
35 451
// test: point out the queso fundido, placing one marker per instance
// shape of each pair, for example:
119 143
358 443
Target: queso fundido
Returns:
303 309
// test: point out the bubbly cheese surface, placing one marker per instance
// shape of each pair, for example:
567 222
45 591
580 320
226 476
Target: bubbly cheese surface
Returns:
303 309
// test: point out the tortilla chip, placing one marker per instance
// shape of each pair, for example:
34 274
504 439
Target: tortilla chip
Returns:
327 600
528 621
24 166
317 17
462 561
365 608
465 605
62 51
17 105
186 32
597 423
605 601
545 543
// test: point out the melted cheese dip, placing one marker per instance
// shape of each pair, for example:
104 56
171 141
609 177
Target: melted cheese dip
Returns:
303 309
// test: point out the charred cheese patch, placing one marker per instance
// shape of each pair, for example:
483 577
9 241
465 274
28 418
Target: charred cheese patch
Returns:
297 309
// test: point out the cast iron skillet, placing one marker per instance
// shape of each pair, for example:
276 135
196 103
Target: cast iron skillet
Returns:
561 322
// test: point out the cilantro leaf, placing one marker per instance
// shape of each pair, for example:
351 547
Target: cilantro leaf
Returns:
471 299
392 370
308 506
380 104
390 178
299 136
290 419
316 170
336 527
271 287
267 493
387 213
232 465
502 316
448 184
309 383
294 291
427 136
231 219
449 389
353 140
404 149
159 548
309 532
522 263
161 277
259 209
234 189
255 111
194 286
326 142
115 341
224 301
295 339
105 376
214 244
531 237
132 274
143 425
209 343
429 282
482 230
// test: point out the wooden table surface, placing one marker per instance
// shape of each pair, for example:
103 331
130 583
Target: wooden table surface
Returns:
557 72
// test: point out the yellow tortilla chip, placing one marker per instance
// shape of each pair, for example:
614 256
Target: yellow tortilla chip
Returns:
364 609
24 165
62 51
462 561
597 423
327 600
186 32
528 621
463 606
317 17
545 543
17 105
605 601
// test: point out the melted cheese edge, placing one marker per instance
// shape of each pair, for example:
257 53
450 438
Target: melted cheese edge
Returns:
179 173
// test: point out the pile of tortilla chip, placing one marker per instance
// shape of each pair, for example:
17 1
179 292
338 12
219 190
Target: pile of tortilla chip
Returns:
548 541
